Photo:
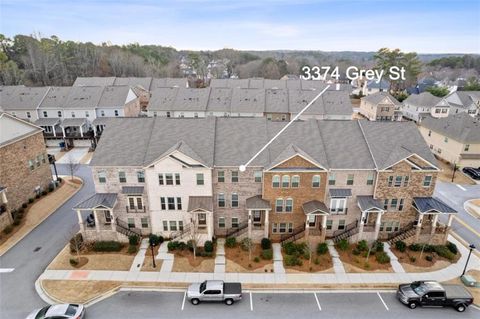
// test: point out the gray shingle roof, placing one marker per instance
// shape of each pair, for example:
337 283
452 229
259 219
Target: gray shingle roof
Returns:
100 199
48 121
56 97
432 204
191 99
21 97
315 206
114 96
368 202
168 83
83 97
257 202
276 100
248 100
460 127
78 121
220 100
378 97
134 81
200 202
132 190
163 99
425 99
340 192
94 81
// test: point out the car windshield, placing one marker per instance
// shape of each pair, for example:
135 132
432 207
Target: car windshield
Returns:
419 289
203 286
42 312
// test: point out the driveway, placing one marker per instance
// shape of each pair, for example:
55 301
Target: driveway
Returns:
32 254
75 154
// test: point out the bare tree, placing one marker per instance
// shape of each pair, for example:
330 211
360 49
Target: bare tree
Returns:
76 242
72 166
194 234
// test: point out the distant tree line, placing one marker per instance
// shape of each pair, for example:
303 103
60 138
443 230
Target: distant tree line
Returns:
458 62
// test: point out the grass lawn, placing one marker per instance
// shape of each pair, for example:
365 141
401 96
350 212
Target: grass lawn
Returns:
77 291
237 260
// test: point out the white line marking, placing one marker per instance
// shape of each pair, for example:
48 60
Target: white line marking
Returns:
318 302
5 270
378 294
184 297
243 167
461 187
251 302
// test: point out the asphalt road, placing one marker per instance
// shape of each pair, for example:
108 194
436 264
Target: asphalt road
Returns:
368 305
17 290
455 196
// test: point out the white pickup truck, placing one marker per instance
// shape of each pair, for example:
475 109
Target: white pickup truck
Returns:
214 290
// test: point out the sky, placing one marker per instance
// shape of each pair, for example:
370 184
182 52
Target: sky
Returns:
429 26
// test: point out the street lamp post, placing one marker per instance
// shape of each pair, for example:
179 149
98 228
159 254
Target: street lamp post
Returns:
472 247
153 255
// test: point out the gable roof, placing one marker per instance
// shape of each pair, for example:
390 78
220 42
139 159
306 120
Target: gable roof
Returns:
83 97
289 152
20 97
188 99
114 96
460 127
56 97
13 129
425 99
378 97
107 200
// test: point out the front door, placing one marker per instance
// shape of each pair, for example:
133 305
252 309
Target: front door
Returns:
257 217
311 221
202 220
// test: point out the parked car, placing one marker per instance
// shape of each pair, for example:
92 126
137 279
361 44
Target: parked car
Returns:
65 311
472 172
434 294
214 290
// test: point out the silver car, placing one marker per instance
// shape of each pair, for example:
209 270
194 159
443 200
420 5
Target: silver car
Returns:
66 311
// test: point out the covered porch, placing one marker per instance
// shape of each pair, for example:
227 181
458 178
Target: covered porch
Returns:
75 128
258 211
99 125
51 127
200 227
316 214
428 228
371 217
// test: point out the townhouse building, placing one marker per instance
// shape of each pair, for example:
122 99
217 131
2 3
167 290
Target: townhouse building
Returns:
464 101
418 106
22 101
319 179
380 106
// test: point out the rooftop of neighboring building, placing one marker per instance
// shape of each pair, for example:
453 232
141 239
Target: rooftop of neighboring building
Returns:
21 97
13 129
460 127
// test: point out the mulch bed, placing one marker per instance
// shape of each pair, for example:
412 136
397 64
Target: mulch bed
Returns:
360 261
420 262
324 263
194 262
240 257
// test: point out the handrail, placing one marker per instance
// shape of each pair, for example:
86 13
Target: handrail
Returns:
293 234
182 232
348 228
126 230
401 231
235 231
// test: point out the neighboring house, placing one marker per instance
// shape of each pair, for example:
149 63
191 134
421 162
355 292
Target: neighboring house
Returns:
464 101
380 106
374 86
320 179
260 83
418 106
24 166
455 139
22 101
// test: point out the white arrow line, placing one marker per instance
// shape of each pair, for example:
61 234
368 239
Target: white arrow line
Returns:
242 168
5 270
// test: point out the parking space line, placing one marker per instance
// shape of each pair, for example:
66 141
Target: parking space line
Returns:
184 297
378 294
461 187
251 302
318 302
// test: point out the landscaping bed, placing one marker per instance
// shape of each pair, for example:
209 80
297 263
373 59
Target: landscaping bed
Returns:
247 256
186 261
148 262
77 291
354 257
300 257
433 257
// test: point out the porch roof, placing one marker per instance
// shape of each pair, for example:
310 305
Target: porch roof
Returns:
257 202
101 120
200 202
368 203
132 190
340 192
47 121
315 206
107 200
74 122
426 205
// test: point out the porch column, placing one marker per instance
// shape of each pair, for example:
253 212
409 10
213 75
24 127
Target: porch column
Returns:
80 221
113 219
434 224
419 227
81 130
265 226
63 131
450 219
95 131
54 133
307 227
249 223
324 227
4 197
210 225
97 225
377 224
362 222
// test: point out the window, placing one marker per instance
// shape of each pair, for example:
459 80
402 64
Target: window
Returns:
258 176
45 114
73 114
234 200
385 204
329 224
160 179
257 217
115 112
180 225
171 203
341 224
102 113
427 181
29 115
370 179
315 181
295 181
400 204
221 176
141 176
390 181
276 181
200 180
122 178
446 139
169 114
274 228
162 203
179 203
131 222
390 226
102 177
43 158
331 179
139 203
437 110
177 179
168 179
31 165
173 225
279 205
131 203
234 222
289 205
350 179
393 204
59 113
285 181
88 115
144 222
221 222
234 176
37 160
338 205
165 225
221 200
195 115
398 181
467 147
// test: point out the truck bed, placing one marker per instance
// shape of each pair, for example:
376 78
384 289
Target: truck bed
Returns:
232 288
456 291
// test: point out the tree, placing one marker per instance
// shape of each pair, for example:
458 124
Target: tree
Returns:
72 166
438 91
194 236
472 85
76 241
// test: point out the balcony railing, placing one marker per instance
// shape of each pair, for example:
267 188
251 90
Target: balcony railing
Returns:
135 209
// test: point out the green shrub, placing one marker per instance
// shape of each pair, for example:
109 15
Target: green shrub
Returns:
30 200
246 243
291 260
76 242
322 248
24 205
362 245
444 252
289 248
37 196
208 246
429 249
266 243
44 193
21 210
107 246
356 251
343 244
256 259
382 257
73 262
7 230
133 240
429 257
172 245
452 247
231 242
16 222
378 246
401 246
415 247
155 240
51 188
59 179
267 254
306 255
19 216
183 246
132 249
413 259
316 261
367 265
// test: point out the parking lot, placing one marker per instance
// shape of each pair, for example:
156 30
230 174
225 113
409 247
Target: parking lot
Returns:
268 305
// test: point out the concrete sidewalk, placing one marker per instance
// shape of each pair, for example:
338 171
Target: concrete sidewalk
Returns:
450 272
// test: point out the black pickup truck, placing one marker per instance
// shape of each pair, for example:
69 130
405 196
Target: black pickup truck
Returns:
434 294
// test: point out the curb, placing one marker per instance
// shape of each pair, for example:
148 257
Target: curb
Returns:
44 218
473 213
43 294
